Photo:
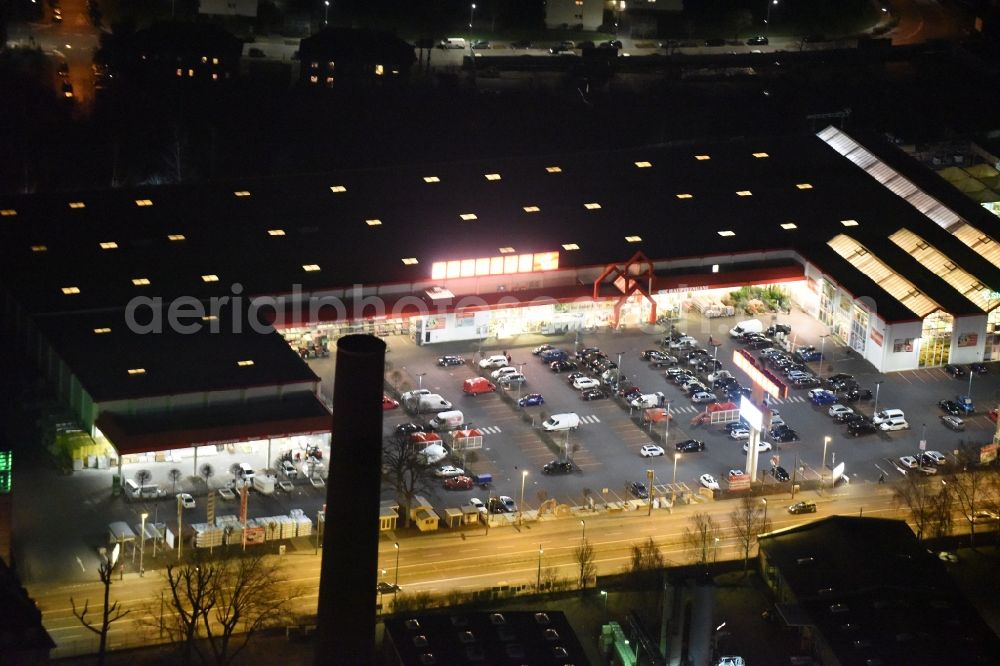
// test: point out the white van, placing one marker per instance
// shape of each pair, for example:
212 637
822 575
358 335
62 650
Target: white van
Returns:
886 414
748 326
447 420
264 484
246 471
453 43
557 422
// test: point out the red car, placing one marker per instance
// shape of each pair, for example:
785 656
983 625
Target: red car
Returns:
993 415
458 483
389 403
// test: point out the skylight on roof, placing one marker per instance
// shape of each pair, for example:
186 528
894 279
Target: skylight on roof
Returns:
849 223
431 179
374 223
744 193
69 291
39 248
643 165
468 216
938 263
245 363
633 239
727 232
804 186
102 330
137 371
492 176
531 209
109 245
685 195
592 206
506 250
241 193
140 282
410 261
310 268
789 225
760 155
275 232
175 237
977 241
702 158
211 277
570 246
553 169
7 212
337 189
77 204
143 203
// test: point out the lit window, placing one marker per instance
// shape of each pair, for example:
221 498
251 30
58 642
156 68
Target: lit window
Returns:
69 291
702 158
109 245
373 223
175 237
137 371
244 364
39 248
431 179
685 196
204 59
140 282
760 155
275 232
215 77
410 261
849 223
644 165
468 216
531 209
310 268
8 212
379 70
591 206
553 169
215 61
506 250
190 72
241 193
329 81
337 189
789 225
180 72
570 246
313 78
210 278
633 239
77 204
210 318
727 233
804 186
142 203
744 193
313 65
101 331
715 268
492 176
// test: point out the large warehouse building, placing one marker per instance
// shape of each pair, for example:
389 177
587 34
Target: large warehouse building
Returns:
143 306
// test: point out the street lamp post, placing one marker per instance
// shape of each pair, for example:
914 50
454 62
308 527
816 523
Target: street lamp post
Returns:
764 500
620 367
538 581
472 15
971 374
381 590
520 507
326 12
767 19
716 550
142 542
826 441
650 475
180 528
666 428
583 532
420 380
677 457
878 385
822 349
604 596
395 581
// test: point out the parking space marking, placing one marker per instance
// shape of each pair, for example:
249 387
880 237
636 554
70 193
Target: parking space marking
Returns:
490 430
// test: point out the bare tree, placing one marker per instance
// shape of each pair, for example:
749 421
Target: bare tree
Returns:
748 521
917 495
111 613
585 557
192 596
645 563
972 488
207 472
404 473
700 536
174 475
143 476
942 515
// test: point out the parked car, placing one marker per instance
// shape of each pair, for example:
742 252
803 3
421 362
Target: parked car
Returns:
690 446
978 368
560 49
895 424
593 394
521 44
854 394
389 403
950 407
953 422
494 361
773 329
562 366
227 494
785 435
739 433
508 503
805 506
702 397
838 409
513 379
449 470
936 457
822 397
449 360
762 446
481 44
862 427
541 348
779 473
715 42
651 450
557 467
185 500
708 481
761 40
583 383
458 483
638 489
955 371
531 400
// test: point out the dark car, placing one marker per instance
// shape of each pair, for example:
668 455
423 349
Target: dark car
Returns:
761 343
651 354
497 506
951 407
780 474
775 329
387 588
638 489
446 361
589 353
404 429
562 366
863 427
734 393
733 425
848 417
531 400
690 446
759 40
610 44
481 44
557 467
593 394
839 378
629 393
586 44
725 383
954 370
710 365
785 435
854 394
805 382
978 368
804 506
67 89
521 44
560 49
664 361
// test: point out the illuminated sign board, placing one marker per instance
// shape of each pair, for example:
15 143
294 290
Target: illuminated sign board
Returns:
6 471
750 413
506 265
773 386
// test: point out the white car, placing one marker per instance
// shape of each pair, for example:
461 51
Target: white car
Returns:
776 419
478 504
894 424
449 470
584 383
704 396
719 374
708 481
936 456
682 341
505 370
495 361
761 446
909 462
412 396
650 450
838 409
185 500
740 433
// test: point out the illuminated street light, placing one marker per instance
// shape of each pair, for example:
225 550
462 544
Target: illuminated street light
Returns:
396 579
767 19
878 385
538 582
472 15
764 500
142 542
583 531
326 12
520 507
822 356
677 457
826 441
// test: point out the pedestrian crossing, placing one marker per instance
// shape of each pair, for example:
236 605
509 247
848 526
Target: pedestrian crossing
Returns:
589 419
490 430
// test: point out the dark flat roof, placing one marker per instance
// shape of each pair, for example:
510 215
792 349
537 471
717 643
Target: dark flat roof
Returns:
226 235
173 362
